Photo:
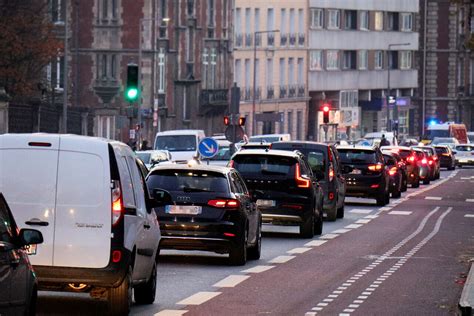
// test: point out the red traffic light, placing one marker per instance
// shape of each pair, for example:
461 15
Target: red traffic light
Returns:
226 120
326 108
326 113
242 121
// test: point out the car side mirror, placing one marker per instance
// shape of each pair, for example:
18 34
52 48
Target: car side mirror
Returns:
30 237
347 169
160 197
454 152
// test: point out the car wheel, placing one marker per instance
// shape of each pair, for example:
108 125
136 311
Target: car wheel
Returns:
416 184
405 184
397 194
387 198
120 298
238 254
381 199
31 308
332 213
255 251
307 228
145 293
318 225
426 181
340 212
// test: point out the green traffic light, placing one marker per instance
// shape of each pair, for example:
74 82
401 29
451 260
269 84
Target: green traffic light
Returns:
132 93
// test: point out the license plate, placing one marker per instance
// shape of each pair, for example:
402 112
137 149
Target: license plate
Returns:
31 250
183 209
266 203
355 171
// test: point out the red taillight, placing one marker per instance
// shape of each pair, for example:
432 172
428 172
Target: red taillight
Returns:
231 164
331 196
392 171
445 154
424 161
293 206
374 186
116 256
411 159
301 182
435 158
117 204
229 234
222 203
331 174
430 162
376 167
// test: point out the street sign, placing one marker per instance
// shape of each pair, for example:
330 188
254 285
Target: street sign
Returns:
208 147
234 137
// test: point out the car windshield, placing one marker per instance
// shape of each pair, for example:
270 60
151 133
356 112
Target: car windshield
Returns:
439 140
263 165
357 156
431 134
222 154
176 142
188 181
464 148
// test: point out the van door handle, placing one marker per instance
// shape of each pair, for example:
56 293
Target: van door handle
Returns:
36 222
146 226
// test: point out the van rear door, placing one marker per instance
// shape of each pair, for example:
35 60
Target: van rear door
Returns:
28 174
83 207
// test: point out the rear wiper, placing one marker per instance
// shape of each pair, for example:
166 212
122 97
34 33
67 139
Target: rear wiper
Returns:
189 189
272 172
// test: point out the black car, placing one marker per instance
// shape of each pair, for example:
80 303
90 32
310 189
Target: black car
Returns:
324 162
18 283
365 173
409 159
284 188
395 173
210 209
446 157
433 161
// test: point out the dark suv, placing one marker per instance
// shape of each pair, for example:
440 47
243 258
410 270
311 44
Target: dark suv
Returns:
323 160
368 176
284 187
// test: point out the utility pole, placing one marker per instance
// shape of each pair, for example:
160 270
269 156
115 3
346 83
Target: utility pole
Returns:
65 76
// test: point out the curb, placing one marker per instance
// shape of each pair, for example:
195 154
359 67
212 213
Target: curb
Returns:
466 303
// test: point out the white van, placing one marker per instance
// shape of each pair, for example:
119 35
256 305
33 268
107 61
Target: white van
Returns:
88 197
375 137
183 144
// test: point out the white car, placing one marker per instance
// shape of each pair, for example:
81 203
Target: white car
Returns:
153 157
88 198
464 155
183 144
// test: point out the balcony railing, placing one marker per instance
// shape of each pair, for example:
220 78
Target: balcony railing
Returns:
248 40
292 91
283 92
301 91
301 39
292 39
270 92
238 40
258 93
283 39
270 39
214 97
247 94
258 40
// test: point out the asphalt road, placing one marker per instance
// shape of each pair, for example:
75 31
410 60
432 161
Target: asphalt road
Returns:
409 257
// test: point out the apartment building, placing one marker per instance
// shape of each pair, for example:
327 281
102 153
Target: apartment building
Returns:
270 64
358 51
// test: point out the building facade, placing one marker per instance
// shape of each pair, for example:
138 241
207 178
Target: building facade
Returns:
359 50
270 62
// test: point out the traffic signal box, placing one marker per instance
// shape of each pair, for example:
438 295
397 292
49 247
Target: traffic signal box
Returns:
228 120
326 113
131 89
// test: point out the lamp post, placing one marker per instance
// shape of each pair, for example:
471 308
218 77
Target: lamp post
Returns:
254 121
395 107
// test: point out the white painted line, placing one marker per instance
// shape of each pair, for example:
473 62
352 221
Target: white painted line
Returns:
323 304
281 259
298 250
337 292
363 221
374 285
171 312
470 200
329 236
317 308
386 208
377 282
350 281
353 226
348 310
353 305
371 216
469 215
333 295
366 293
362 297
346 284
310 314
344 314
341 231
257 269
358 301
435 198
328 300
315 243
198 298
360 211
342 288
369 289
400 213
231 280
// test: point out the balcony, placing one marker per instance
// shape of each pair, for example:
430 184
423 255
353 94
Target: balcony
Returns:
270 92
301 39
283 39
214 98
248 40
292 91
238 40
301 91
270 39
283 92
292 40
247 95
258 40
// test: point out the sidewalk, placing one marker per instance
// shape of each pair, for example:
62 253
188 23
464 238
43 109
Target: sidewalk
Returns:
466 303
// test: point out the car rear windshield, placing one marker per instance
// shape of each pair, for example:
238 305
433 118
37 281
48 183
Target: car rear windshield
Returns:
176 142
145 157
188 181
316 157
357 156
404 153
419 155
441 150
264 166
464 148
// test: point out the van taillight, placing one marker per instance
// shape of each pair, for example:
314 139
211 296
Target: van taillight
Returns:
392 171
331 174
301 182
117 202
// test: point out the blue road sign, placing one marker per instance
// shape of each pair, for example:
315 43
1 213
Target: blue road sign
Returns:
208 147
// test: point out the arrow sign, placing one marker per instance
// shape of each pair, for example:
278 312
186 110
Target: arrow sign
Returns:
208 147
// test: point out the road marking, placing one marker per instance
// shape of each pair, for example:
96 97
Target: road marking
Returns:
385 208
323 304
329 236
348 310
469 215
298 250
353 226
333 295
344 314
328 300
470 200
198 298
371 216
400 213
171 312
317 308
341 231
360 211
353 305
315 243
258 269
231 280
337 292
281 259
363 221
435 198
310 314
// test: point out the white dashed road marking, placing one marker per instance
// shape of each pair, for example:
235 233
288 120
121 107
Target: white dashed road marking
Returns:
198 298
399 213
281 259
329 236
353 226
231 280
469 215
298 250
315 243
363 221
257 269
171 312
360 211
470 200
341 231
371 216
435 198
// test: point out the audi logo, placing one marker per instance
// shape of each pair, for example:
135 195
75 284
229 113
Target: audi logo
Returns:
184 198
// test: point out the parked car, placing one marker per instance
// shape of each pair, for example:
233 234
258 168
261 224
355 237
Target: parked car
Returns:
433 161
285 189
153 157
89 199
365 173
210 209
464 155
409 159
424 168
18 283
324 161
395 173
446 156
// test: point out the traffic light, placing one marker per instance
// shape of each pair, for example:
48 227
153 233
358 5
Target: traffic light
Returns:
131 89
242 121
226 121
326 114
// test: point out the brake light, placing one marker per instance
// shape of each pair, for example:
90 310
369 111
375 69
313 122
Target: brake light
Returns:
300 181
117 203
435 158
116 256
430 162
223 203
231 164
445 154
392 171
424 161
376 167
411 159
331 196
331 174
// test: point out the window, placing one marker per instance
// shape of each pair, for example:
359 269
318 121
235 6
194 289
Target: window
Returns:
238 72
205 66
350 20
282 72
269 77
248 84
270 19
393 59
363 59
334 19
378 63
378 21
7 229
348 98
292 22
57 11
393 20
315 60
161 69
212 75
300 63
113 66
317 18
405 60
349 59
256 27
190 7
55 73
290 122
283 22
189 45
364 20
211 17
291 71
407 22
299 127
332 60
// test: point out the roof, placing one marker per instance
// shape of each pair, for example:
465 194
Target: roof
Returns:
181 132
395 147
358 147
268 152
197 167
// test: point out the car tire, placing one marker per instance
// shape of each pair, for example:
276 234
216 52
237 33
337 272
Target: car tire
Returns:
397 194
332 213
120 297
238 254
307 228
381 199
426 181
318 225
340 212
387 198
404 184
254 252
31 308
145 293
416 184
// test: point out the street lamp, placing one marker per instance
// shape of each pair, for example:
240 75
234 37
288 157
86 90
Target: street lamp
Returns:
254 121
395 106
